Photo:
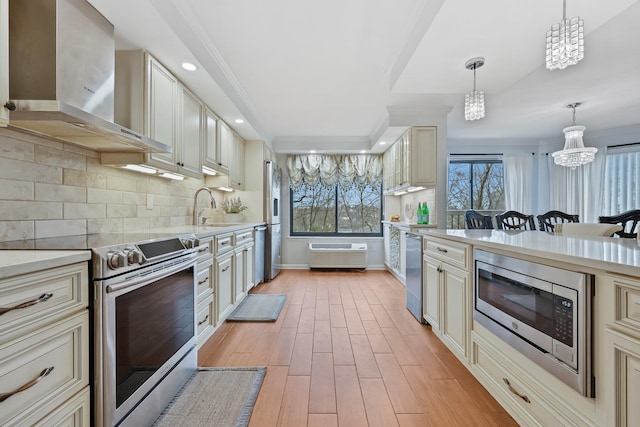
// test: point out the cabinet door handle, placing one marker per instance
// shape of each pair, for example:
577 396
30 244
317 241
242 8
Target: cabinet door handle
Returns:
225 269
44 373
441 249
203 320
203 281
41 298
439 269
513 390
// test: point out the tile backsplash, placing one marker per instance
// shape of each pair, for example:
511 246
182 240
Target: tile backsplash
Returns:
51 189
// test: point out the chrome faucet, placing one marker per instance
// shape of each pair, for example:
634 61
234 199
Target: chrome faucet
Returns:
195 203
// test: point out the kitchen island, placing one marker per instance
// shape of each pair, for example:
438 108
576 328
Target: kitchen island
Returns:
531 394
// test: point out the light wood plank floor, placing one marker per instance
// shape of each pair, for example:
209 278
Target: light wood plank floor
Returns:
346 352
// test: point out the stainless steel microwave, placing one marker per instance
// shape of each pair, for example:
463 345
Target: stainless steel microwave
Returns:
542 311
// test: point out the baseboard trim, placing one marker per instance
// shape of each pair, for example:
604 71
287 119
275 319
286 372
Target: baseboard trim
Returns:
306 267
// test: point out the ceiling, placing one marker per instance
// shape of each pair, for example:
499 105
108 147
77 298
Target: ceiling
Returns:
324 75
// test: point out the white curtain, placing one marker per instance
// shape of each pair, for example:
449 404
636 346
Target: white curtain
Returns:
622 182
518 179
331 169
578 191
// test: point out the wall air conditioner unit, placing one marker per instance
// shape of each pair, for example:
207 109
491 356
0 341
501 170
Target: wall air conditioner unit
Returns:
338 255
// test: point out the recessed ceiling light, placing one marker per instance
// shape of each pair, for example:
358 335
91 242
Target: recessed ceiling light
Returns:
239 121
189 66
312 151
363 151
383 142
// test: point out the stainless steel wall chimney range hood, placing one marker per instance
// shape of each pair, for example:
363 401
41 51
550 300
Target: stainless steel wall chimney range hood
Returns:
61 76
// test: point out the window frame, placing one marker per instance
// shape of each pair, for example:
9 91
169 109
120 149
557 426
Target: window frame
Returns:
470 160
293 233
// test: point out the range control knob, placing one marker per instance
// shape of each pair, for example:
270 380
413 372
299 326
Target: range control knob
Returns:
190 242
116 260
134 256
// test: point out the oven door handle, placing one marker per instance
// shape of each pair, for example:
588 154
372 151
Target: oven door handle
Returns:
142 277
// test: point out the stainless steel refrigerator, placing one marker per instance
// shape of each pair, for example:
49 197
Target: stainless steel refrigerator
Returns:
272 215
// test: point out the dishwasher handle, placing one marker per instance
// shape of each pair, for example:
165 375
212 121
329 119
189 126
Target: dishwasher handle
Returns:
261 228
414 236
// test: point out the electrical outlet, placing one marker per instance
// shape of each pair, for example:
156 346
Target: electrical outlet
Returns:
149 201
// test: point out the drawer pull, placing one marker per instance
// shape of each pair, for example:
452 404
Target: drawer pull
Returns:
441 249
204 320
203 281
226 242
225 269
203 249
513 390
44 373
42 298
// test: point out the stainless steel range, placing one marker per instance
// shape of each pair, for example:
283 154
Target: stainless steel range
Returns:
145 327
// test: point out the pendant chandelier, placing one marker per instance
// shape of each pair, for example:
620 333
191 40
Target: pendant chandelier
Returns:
574 153
565 42
474 100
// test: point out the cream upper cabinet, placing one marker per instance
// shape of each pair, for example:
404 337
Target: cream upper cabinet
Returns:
236 172
160 119
225 144
4 61
151 100
423 154
235 145
211 156
387 164
190 125
412 160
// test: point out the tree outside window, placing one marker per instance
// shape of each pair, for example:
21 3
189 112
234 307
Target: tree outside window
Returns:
474 184
335 210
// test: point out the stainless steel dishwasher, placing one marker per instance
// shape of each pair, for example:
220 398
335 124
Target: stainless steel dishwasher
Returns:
413 252
258 266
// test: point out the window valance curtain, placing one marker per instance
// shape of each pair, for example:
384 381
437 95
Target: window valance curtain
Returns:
328 170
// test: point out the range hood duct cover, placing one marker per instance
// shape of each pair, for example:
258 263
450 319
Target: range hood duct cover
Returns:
61 76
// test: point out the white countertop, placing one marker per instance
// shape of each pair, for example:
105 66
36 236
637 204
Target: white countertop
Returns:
13 263
607 253
16 262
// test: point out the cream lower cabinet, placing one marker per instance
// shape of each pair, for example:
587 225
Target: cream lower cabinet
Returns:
395 236
243 268
622 344
44 348
224 286
447 293
205 308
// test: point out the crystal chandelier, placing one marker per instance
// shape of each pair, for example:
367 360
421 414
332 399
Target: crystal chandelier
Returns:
574 153
565 42
474 100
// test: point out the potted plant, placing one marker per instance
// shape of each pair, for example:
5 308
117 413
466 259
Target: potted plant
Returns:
233 208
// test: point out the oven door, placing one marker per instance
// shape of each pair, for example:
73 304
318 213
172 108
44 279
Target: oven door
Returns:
541 312
145 325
